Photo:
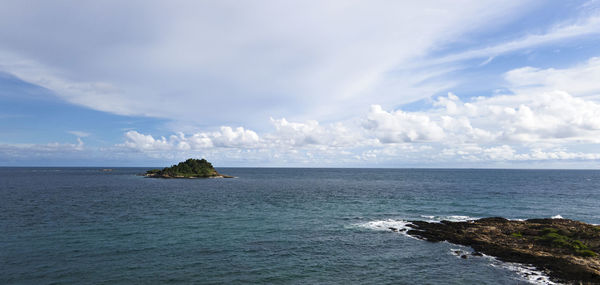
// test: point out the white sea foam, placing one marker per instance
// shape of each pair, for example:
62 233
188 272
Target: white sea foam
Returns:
557 217
527 273
388 225
451 218
458 218
401 227
458 252
385 225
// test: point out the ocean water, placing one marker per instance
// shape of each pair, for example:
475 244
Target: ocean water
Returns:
269 225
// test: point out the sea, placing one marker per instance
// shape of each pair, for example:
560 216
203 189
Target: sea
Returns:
269 225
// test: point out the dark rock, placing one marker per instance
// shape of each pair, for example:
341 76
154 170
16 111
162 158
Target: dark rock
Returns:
464 256
566 249
393 229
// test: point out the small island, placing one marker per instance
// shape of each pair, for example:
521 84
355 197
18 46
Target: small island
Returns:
191 168
566 250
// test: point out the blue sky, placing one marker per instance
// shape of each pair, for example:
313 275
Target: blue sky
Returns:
511 84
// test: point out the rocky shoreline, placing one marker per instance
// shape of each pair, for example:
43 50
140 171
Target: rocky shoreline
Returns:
566 250
166 176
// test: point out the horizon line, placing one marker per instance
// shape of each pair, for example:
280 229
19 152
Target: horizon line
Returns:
324 167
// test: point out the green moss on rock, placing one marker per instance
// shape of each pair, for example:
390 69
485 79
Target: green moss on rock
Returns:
553 237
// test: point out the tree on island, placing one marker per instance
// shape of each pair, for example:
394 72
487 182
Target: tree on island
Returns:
191 168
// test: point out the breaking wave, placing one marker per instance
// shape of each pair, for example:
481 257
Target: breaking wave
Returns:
527 273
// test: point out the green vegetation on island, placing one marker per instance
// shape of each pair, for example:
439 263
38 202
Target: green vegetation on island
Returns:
191 168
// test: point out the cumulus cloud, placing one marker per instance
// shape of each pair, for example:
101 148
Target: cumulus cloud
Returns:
508 153
516 127
523 117
538 154
485 127
139 141
399 126
473 152
238 137
296 134
226 137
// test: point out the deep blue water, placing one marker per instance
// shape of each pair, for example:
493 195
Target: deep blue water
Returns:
275 226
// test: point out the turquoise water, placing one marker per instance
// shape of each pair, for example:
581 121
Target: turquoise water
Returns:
273 226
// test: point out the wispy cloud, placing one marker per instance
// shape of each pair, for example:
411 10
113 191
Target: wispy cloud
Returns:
579 80
247 62
13 151
585 27
79 134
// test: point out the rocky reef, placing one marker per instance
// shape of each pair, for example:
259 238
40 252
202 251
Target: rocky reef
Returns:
566 250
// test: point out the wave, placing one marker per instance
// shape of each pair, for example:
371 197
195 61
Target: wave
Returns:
401 225
451 218
395 226
527 273
455 218
385 225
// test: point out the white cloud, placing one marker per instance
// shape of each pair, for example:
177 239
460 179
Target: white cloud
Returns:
308 65
226 137
399 126
79 134
515 127
579 80
238 137
143 142
15 151
583 27
474 152
507 153
238 62
528 117
294 134
538 154
298 134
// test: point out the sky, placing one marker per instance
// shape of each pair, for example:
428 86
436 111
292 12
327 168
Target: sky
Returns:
481 84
